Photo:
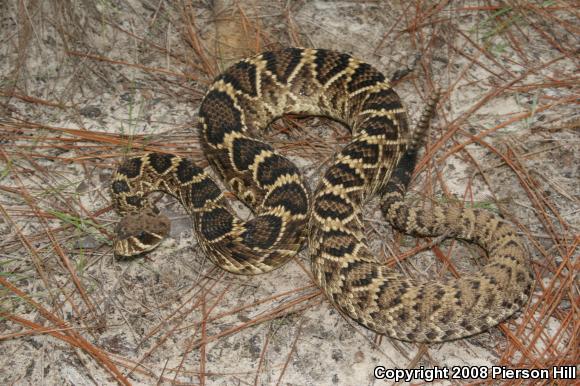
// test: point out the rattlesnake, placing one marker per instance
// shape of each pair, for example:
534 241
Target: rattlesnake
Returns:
378 160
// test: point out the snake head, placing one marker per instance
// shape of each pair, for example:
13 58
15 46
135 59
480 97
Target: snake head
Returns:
140 232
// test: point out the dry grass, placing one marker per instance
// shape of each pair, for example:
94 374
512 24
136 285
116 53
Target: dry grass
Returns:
84 84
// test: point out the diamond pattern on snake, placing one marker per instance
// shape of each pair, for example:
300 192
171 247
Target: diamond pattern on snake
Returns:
378 160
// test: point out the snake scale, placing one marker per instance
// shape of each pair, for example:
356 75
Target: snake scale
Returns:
378 160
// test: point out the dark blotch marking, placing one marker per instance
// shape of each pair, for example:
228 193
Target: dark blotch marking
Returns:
386 99
273 167
361 150
186 170
421 294
356 269
487 232
291 196
329 64
489 301
402 290
147 238
160 162
510 257
238 255
403 316
343 174
431 334
447 335
131 167
363 296
216 223
242 76
466 223
365 280
458 298
220 116
528 290
330 205
381 125
394 302
465 324
508 271
262 231
328 276
282 63
337 243
419 220
203 191
387 302
245 151
135 201
364 76
120 186
506 304
512 243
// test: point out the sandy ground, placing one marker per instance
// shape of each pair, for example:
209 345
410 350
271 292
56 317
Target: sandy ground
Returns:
83 84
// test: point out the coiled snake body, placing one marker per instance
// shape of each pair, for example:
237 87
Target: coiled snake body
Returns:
378 160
